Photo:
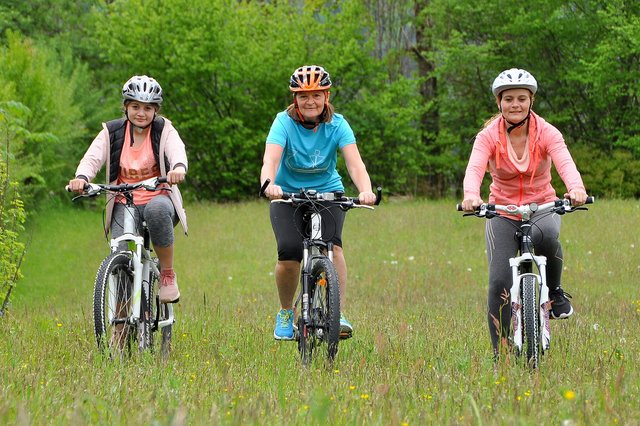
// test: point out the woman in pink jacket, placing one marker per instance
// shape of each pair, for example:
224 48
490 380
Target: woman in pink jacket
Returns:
140 146
517 147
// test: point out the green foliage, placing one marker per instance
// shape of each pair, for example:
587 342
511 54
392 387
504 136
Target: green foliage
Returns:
12 218
44 115
411 76
611 175
587 79
225 68
43 19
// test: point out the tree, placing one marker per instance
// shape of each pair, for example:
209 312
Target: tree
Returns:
50 113
12 213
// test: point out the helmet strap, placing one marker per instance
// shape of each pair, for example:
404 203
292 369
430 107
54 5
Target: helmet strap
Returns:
518 124
135 128
307 124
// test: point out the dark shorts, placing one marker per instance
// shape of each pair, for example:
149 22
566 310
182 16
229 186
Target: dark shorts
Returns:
290 227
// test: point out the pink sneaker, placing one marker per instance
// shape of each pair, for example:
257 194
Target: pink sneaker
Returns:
169 292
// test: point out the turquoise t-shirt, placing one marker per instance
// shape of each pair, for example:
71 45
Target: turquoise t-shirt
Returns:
309 157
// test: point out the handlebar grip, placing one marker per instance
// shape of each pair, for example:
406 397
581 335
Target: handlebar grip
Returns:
68 188
590 199
264 187
162 180
378 196
459 207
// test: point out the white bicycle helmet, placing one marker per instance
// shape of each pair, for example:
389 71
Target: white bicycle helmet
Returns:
142 89
514 78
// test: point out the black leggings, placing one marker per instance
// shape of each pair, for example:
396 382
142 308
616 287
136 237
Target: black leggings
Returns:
290 227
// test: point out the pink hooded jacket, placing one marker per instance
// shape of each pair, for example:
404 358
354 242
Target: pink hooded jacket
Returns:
171 146
510 186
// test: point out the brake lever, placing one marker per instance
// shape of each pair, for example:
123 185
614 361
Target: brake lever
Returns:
86 195
346 205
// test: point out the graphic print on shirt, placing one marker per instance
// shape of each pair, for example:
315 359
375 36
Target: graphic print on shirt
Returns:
141 172
303 163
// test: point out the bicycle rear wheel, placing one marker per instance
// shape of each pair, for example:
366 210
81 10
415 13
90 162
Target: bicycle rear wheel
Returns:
530 320
325 306
112 305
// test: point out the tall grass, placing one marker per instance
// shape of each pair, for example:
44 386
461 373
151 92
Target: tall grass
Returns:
417 295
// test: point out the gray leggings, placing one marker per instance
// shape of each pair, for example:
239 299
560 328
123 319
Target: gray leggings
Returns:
501 245
160 216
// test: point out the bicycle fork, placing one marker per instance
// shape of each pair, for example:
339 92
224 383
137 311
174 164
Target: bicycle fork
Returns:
524 263
309 253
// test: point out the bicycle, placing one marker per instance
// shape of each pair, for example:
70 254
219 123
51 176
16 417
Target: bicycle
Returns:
529 294
124 313
317 304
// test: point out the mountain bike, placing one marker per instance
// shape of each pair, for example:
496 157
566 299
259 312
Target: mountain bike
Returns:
126 307
529 294
317 304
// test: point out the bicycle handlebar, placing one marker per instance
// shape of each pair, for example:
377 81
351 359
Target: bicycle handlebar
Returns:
305 196
95 189
559 206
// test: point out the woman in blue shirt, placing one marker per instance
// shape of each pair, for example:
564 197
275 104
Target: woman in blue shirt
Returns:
301 152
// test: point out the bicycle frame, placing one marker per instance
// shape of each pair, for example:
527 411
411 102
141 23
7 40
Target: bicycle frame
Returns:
135 258
521 267
318 320
142 263
311 252
529 278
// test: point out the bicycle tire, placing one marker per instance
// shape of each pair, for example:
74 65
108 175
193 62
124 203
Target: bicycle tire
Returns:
306 342
530 312
145 325
159 311
112 304
326 304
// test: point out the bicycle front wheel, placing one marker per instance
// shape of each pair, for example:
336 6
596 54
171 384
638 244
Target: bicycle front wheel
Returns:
326 304
530 320
113 303
159 315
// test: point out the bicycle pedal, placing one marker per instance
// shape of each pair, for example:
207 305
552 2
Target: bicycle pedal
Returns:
346 335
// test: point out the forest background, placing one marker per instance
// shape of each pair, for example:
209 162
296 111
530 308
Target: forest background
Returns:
412 77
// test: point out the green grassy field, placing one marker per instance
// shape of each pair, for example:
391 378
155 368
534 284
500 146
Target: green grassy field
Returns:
420 352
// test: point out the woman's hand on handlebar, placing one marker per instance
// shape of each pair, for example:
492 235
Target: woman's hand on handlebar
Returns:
273 192
471 204
176 175
77 185
577 196
367 198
